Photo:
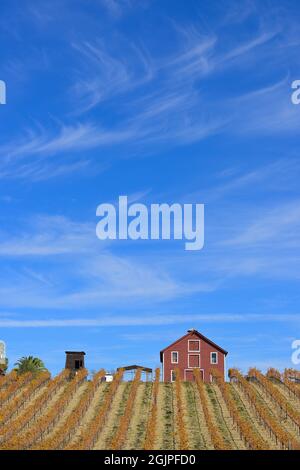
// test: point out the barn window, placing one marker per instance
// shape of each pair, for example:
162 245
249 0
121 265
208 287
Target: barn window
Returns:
174 357
194 361
173 376
214 358
194 345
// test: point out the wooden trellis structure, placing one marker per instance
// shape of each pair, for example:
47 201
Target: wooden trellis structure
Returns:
129 372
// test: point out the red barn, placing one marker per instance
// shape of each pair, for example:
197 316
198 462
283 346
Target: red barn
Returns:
192 351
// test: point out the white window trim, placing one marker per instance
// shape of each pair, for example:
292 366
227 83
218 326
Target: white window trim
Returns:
214 363
190 367
194 350
172 362
172 380
191 370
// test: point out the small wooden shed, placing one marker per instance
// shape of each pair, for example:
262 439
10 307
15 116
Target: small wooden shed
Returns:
74 360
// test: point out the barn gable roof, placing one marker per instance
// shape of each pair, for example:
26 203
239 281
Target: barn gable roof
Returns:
189 333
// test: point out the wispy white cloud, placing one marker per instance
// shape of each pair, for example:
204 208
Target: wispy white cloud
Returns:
81 270
42 144
39 170
148 320
174 77
68 138
96 281
279 226
113 7
265 111
279 175
116 8
238 12
243 49
161 100
194 58
103 75
42 278
49 236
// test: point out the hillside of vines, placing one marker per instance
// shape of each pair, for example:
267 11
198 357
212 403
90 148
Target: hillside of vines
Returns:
251 412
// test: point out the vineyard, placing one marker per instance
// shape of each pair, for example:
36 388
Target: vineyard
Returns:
250 412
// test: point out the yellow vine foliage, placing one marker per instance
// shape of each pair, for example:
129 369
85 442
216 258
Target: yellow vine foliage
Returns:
292 373
91 432
16 426
273 373
6 379
120 435
14 386
275 394
15 404
292 386
181 427
252 439
286 440
45 422
64 432
216 436
152 421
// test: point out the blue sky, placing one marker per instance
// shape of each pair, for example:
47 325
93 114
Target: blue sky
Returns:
169 101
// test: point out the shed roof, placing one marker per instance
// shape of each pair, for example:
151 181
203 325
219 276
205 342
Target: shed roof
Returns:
74 352
133 367
204 338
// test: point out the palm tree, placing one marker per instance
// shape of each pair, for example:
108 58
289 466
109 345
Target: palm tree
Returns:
30 364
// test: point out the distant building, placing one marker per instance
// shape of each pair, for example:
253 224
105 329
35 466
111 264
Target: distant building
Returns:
75 360
2 352
107 378
3 360
192 351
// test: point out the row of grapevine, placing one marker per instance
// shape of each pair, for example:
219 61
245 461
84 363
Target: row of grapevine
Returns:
292 386
6 379
247 431
43 424
216 436
273 374
292 374
51 414
181 427
14 387
120 435
15 405
285 439
289 376
152 421
63 434
278 398
90 434
13 428
286 379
